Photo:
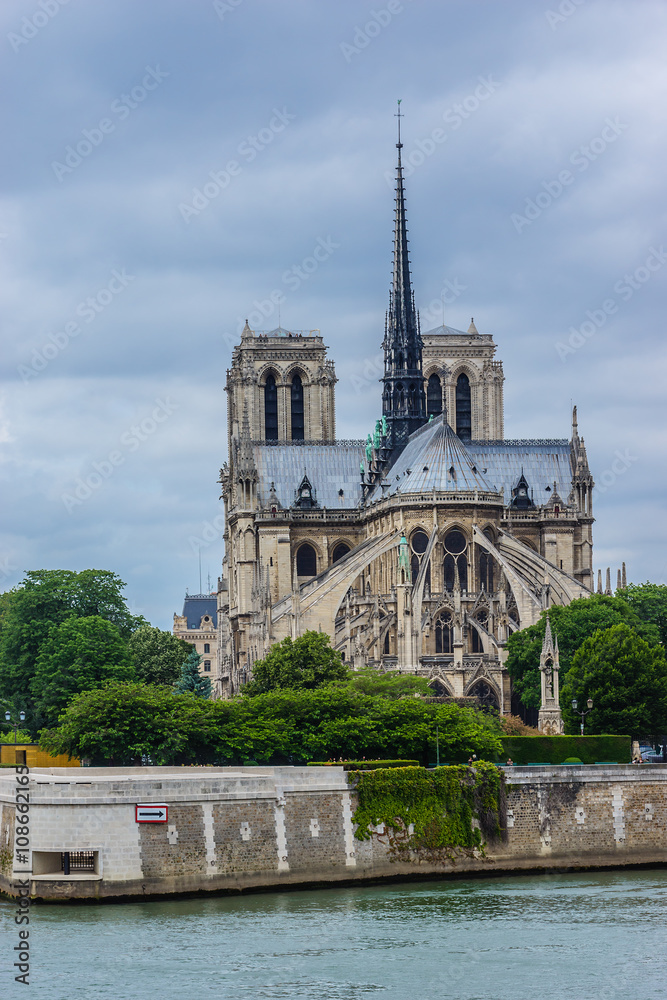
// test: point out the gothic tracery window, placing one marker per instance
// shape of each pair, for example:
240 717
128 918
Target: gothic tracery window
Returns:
455 558
444 633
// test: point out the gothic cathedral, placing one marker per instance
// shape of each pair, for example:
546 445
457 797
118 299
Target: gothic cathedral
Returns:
419 549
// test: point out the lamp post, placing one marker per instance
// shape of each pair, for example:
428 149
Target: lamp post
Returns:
15 724
582 714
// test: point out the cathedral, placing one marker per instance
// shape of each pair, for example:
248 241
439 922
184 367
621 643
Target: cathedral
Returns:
419 549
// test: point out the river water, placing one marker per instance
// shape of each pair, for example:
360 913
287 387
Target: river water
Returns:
599 936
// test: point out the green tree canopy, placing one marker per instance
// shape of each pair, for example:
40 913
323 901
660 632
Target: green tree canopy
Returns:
307 662
157 656
572 625
627 680
79 654
190 678
371 681
46 598
122 723
649 602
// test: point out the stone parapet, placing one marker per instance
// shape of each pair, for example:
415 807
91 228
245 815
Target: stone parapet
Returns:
229 829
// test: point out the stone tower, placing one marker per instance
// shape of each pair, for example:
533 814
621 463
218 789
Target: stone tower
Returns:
287 384
550 720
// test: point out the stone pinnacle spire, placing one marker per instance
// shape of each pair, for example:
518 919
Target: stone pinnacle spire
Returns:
403 397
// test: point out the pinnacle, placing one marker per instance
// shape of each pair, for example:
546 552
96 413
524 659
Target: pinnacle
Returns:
472 328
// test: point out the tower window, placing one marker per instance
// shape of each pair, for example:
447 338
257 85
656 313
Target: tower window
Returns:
207 666
306 561
433 396
297 409
463 407
270 409
207 647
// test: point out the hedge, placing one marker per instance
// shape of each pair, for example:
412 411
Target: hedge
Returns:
363 765
556 749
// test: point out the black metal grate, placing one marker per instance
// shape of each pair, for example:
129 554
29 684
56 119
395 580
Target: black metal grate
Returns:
77 861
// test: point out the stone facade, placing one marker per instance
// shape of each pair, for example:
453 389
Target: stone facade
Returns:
496 530
198 625
235 828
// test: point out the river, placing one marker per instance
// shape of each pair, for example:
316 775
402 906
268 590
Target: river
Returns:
596 936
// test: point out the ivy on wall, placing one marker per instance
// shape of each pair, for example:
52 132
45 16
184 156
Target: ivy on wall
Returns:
433 816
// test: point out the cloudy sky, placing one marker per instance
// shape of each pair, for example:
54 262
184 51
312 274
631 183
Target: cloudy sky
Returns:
169 166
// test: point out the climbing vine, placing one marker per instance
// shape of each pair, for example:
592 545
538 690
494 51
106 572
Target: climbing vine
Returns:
432 816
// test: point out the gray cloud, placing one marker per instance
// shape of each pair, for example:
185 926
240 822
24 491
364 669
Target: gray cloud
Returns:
168 332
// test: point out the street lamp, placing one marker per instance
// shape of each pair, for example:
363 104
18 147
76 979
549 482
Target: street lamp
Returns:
15 724
582 714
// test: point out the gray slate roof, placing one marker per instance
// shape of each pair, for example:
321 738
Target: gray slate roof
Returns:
329 467
196 606
543 462
435 459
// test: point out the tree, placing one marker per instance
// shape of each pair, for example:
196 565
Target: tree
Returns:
79 654
627 680
649 602
572 624
370 680
44 599
157 656
122 723
307 662
191 679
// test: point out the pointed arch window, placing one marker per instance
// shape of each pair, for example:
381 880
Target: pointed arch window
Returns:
434 396
297 409
270 408
444 630
306 561
340 550
463 407
455 558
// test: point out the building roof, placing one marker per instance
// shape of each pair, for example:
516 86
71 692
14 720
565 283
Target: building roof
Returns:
329 467
435 459
195 606
542 462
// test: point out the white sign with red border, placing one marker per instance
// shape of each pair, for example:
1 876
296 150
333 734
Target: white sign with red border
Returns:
151 812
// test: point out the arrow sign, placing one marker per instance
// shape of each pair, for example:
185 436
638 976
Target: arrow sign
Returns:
151 812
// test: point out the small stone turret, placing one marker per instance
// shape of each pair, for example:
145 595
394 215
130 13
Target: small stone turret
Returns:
550 719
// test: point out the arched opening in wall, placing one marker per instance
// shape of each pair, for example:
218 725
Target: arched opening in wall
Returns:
475 641
339 551
455 558
485 695
270 408
439 688
414 568
463 407
297 409
387 647
433 396
444 633
306 560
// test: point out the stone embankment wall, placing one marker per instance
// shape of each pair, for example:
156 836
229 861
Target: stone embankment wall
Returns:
231 829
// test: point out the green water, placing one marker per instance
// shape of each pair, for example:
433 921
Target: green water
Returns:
598 936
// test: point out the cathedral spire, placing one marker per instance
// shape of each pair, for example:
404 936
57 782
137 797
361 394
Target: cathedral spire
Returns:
403 397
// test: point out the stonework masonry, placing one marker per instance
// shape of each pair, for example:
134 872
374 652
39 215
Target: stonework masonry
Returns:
230 829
